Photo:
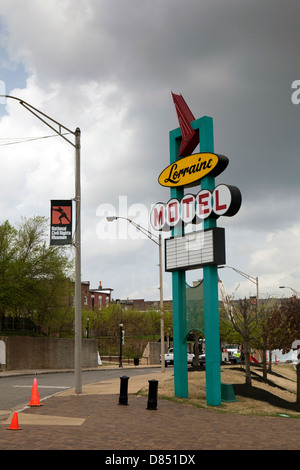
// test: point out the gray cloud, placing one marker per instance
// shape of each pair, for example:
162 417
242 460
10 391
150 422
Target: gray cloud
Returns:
109 67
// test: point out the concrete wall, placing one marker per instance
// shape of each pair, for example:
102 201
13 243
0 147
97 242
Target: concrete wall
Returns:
151 354
24 352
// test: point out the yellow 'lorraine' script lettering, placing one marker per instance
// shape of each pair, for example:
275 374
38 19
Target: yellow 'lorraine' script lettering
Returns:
189 170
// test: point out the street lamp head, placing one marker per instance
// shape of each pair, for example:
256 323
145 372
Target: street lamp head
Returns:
111 218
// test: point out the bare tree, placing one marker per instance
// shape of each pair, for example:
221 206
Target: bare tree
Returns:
245 319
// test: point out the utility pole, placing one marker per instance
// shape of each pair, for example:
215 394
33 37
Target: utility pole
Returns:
58 128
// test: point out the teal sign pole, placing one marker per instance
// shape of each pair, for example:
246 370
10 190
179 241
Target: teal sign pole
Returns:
179 295
204 126
210 287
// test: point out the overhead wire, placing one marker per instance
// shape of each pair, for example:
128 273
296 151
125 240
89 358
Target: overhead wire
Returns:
20 140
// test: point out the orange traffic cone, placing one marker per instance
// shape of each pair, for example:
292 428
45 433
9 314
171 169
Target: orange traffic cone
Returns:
14 425
35 399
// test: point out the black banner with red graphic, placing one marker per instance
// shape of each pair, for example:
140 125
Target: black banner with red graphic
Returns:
61 222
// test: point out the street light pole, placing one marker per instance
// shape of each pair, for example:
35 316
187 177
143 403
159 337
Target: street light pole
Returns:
247 276
121 344
161 308
161 294
77 242
293 290
78 335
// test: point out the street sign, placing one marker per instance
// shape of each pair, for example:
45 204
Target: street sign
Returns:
205 249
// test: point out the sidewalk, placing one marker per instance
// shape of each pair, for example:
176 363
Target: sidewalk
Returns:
111 387
94 420
105 387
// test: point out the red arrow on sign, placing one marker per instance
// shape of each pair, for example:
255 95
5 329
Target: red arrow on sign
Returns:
190 138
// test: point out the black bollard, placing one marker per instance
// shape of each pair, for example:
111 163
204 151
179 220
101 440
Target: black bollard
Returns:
123 398
152 395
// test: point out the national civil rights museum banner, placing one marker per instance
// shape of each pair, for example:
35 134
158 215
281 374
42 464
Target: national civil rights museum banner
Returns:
61 222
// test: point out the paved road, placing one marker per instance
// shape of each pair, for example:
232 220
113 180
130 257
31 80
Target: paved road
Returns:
15 391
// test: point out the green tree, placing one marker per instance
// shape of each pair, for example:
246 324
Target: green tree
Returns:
32 273
139 327
284 330
245 320
228 334
260 338
7 265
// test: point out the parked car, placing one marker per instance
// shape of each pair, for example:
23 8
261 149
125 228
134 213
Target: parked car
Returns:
169 357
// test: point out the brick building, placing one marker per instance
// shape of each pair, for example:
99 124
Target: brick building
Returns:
144 305
94 299
100 297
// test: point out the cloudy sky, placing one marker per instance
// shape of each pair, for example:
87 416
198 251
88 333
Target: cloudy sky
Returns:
108 67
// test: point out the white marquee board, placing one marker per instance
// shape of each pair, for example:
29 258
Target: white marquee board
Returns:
195 250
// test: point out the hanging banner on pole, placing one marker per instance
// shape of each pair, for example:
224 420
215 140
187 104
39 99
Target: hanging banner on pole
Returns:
61 222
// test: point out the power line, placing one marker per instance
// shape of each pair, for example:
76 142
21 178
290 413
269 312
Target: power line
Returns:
20 140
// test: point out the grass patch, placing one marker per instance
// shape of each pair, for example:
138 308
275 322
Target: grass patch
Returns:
275 397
